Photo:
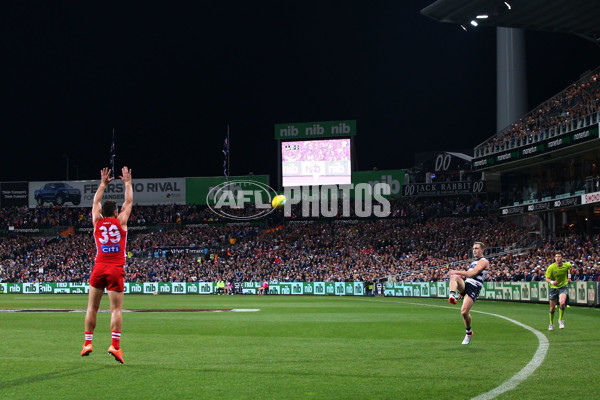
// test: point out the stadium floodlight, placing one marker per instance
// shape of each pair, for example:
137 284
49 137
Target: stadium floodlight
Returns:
474 23
464 27
508 5
482 16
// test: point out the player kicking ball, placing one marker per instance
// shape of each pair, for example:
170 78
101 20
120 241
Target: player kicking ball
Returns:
468 284
110 235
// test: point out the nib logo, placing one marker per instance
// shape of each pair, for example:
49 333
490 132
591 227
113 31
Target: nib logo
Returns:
289 131
394 184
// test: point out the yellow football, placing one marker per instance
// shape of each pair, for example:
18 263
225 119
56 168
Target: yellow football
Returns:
278 201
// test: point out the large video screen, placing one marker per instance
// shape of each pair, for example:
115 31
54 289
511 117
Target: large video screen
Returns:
316 162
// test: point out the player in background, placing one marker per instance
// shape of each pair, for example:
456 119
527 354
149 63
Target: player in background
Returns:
110 235
469 284
558 275
264 289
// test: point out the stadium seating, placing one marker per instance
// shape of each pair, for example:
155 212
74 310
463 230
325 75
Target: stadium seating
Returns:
575 107
418 243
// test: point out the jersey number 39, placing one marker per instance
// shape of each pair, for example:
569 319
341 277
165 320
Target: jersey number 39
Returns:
111 234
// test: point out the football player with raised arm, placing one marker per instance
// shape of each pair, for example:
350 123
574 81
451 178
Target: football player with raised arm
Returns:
110 235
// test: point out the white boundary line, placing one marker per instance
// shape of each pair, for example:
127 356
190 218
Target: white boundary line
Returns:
82 310
520 376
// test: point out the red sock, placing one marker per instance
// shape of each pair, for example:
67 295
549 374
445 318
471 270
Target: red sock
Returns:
88 337
116 339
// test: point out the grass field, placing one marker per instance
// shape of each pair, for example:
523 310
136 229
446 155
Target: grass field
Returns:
294 348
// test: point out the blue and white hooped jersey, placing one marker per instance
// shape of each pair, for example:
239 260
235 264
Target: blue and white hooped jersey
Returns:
478 279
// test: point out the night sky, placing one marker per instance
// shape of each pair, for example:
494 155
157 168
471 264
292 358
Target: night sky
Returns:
170 78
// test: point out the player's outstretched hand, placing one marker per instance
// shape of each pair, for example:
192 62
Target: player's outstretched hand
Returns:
105 176
125 175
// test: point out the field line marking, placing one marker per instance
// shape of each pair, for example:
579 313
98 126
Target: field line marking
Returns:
126 310
524 373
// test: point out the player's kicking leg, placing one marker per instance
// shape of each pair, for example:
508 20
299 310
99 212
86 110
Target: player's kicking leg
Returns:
456 284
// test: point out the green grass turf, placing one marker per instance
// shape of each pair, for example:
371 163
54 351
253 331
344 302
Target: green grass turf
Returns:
301 347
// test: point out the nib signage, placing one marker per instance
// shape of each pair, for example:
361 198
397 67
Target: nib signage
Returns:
315 130
394 178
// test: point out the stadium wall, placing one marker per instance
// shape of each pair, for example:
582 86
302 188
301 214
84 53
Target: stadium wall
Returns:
580 293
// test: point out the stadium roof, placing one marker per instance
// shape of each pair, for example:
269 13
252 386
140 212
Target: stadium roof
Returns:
579 17
460 155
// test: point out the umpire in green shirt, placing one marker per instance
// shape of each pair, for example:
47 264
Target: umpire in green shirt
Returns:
558 275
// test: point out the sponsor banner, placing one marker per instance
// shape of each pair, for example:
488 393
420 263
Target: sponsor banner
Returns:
358 289
511 291
573 138
252 288
534 291
443 188
316 288
164 287
178 287
206 287
542 206
36 288
311 288
442 289
315 130
172 250
393 177
192 288
47 287
14 288
586 293
573 293
414 289
14 194
31 288
150 287
130 229
81 193
589 198
198 189
580 293
133 288
280 288
28 231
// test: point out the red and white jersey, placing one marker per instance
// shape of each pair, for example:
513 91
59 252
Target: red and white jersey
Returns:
110 242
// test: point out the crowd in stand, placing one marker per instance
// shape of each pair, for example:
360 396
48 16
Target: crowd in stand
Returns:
25 217
48 216
531 266
52 216
410 249
580 99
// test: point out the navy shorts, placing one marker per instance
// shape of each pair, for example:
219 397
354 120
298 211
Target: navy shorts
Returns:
471 290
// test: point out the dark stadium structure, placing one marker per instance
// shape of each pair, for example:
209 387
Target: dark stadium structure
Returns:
547 160
579 17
